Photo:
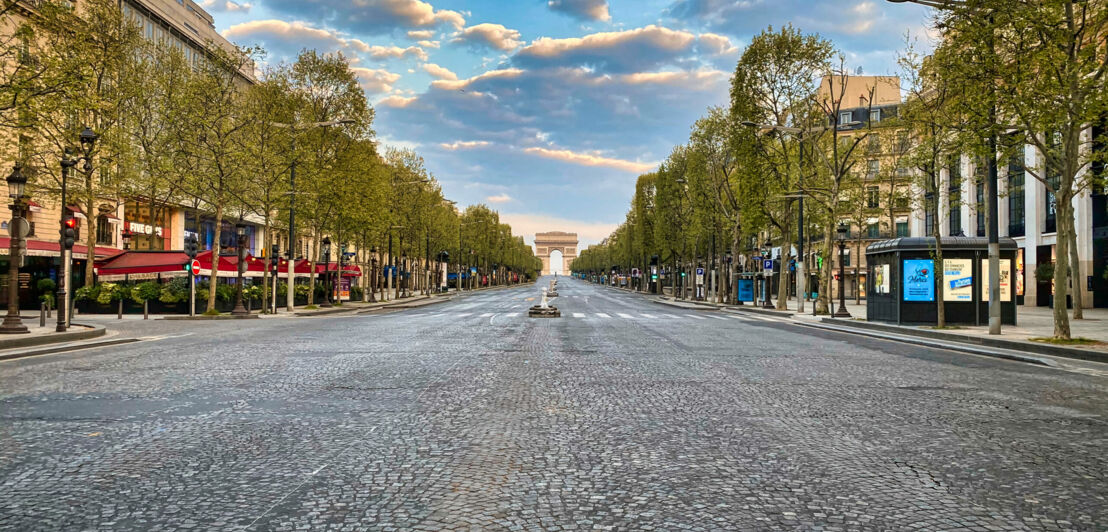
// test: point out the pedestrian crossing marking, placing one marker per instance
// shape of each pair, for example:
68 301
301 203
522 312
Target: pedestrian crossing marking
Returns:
627 316
464 314
648 316
602 315
578 315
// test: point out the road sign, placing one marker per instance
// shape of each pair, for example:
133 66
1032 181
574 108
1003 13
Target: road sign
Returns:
193 266
20 227
767 264
700 276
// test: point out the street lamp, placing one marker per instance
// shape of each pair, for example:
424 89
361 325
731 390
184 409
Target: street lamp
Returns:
444 262
402 281
841 234
87 138
294 128
13 324
240 250
325 248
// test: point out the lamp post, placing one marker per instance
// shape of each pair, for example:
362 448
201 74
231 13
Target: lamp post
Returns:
240 250
294 128
325 248
444 263
13 324
841 234
402 281
88 139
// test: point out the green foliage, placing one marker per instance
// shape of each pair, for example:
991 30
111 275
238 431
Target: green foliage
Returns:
111 292
147 291
46 288
211 312
87 293
175 291
302 290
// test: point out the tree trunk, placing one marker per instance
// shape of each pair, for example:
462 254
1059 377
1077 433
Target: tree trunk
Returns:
783 280
1064 210
313 258
216 248
266 248
940 305
1075 268
90 239
824 300
858 269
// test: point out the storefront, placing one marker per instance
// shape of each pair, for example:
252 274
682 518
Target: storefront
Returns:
149 226
204 230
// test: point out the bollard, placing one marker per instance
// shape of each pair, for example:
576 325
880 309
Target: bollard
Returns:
49 308
42 315
119 312
145 310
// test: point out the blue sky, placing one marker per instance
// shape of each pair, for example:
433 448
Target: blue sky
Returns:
547 110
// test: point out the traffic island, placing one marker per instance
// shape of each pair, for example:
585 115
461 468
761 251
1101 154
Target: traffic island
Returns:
543 309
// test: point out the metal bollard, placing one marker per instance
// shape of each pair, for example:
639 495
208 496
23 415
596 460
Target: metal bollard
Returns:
119 312
42 315
145 310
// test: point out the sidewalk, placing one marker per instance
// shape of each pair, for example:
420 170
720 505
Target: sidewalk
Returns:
1033 322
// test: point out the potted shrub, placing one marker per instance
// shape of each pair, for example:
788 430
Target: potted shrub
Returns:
46 288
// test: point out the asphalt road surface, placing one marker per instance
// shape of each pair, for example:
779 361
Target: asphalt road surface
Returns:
623 414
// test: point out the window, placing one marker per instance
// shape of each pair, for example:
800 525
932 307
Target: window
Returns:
845 117
846 257
873 197
902 228
105 235
875 116
954 196
1016 211
873 167
901 201
873 230
929 214
980 208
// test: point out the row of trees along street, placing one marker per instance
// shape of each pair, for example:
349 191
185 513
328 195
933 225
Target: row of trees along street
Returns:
1030 74
214 134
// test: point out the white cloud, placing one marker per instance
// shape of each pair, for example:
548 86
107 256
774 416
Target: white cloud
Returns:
591 159
420 35
582 9
493 35
225 5
464 145
499 198
374 80
440 72
689 80
462 84
717 44
397 101
386 52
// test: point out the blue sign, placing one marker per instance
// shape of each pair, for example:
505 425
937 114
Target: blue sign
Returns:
919 280
746 290
767 264
700 271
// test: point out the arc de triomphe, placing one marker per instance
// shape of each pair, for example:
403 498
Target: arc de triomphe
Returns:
546 243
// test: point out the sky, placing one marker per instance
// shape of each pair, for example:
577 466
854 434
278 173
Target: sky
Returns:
548 110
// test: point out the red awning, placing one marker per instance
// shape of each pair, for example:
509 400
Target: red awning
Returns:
52 248
348 270
142 262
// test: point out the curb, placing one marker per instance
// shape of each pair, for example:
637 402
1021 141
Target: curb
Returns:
759 310
219 317
94 331
949 346
686 306
416 304
984 341
66 348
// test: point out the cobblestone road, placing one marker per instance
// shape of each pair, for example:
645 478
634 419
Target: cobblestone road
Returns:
622 415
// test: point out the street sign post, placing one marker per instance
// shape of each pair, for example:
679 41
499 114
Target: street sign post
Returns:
700 276
767 264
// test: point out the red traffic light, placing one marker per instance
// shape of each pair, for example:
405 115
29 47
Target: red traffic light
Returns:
71 223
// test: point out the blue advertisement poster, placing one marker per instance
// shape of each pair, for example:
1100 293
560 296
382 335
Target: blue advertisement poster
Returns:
919 280
746 290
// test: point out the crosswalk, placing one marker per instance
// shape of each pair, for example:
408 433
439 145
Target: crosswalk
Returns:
453 314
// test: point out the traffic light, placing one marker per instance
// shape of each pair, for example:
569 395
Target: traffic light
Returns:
192 248
653 260
274 254
69 234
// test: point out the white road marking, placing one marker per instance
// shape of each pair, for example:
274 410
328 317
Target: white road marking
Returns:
627 316
737 317
486 315
695 317
717 317
464 314
602 315
578 315
648 316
